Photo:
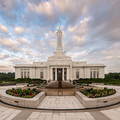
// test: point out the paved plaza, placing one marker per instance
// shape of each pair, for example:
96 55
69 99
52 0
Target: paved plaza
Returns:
59 102
7 113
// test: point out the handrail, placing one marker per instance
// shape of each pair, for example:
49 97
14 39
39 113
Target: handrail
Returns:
41 85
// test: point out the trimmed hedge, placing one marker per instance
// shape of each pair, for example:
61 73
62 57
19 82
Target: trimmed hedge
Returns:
22 80
30 81
96 80
4 84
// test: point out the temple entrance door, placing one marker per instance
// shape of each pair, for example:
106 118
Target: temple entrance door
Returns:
59 74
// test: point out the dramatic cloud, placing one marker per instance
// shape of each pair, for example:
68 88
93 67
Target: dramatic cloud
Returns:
90 31
44 8
3 29
9 44
6 68
3 56
19 30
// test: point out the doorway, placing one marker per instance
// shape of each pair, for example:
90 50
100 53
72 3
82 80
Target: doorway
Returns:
59 74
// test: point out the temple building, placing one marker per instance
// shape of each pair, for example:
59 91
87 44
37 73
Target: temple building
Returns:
59 67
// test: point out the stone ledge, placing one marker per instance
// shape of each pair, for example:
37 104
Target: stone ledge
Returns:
23 102
98 102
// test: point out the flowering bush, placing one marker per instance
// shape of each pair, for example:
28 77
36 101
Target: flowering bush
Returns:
94 93
25 93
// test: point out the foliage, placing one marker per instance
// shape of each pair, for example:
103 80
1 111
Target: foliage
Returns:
95 93
10 78
30 81
25 93
7 77
88 81
96 80
110 76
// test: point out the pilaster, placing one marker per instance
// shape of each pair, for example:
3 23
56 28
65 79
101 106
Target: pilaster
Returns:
48 71
51 73
63 74
68 73
55 73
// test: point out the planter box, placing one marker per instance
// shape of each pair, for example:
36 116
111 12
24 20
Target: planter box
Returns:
98 102
23 102
26 87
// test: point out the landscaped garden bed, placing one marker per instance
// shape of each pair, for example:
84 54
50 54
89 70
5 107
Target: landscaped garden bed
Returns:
24 93
95 93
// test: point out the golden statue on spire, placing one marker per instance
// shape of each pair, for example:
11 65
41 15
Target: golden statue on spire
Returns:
59 27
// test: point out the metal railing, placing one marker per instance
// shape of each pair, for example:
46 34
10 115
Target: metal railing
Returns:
42 84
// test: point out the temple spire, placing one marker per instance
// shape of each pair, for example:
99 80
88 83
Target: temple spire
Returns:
59 40
59 27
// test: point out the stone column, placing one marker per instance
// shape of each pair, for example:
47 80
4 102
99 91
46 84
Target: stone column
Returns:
68 73
51 73
71 71
33 75
55 73
44 74
48 71
63 74
84 73
92 74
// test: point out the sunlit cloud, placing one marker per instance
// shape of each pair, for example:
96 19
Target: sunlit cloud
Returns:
44 8
19 30
3 29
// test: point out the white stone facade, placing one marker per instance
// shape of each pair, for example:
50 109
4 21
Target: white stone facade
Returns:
59 67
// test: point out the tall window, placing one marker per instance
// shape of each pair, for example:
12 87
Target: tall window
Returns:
97 74
53 75
28 74
65 75
90 74
21 74
77 74
94 73
41 75
25 74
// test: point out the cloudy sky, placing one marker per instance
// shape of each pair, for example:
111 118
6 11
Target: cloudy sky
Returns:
91 31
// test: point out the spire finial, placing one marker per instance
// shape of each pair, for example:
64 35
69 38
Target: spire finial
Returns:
59 27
